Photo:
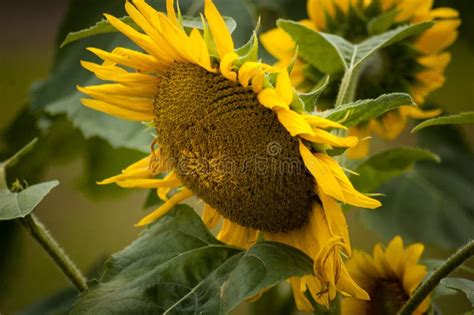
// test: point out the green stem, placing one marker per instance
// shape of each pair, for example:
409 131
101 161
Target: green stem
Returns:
453 262
44 238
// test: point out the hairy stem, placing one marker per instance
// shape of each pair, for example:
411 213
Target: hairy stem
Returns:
44 238
453 262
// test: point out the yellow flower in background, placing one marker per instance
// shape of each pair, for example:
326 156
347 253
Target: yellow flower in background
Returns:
390 277
228 134
412 66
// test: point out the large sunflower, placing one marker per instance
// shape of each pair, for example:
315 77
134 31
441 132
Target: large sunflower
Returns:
228 133
390 277
413 66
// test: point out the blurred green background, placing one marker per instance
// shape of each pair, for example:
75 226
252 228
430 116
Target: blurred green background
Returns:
92 224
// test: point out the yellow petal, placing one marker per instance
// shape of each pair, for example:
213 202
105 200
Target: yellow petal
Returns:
320 122
135 104
394 254
210 216
302 302
247 71
440 36
227 64
279 44
200 50
166 207
221 34
323 137
171 12
271 99
130 58
325 179
293 122
117 111
361 150
237 235
351 195
149 183
413 277
284 87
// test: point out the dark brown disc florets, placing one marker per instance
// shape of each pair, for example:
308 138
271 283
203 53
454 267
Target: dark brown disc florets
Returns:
231 151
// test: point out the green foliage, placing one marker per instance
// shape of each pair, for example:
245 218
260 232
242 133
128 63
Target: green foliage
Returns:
461 118
462 285
382 22
330 53
317 48
310 99
177 267
383 166
432 203
14 204
356 113
19 205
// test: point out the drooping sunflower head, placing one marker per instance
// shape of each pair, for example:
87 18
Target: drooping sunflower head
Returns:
415 66
390 277
230 131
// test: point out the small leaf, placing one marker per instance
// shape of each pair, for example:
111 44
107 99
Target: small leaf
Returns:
104 27
462 285
382 22
361 111
309 99
462 118
383 166
317 48
19 205
177 267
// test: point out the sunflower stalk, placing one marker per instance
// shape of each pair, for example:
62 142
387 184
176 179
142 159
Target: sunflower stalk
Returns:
451 264
348 88
37 229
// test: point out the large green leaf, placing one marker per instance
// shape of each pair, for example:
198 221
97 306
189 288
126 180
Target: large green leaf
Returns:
462 118
352 114
462 285
177 267
383 166
432 203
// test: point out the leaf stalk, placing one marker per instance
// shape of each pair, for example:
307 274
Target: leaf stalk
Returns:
41 234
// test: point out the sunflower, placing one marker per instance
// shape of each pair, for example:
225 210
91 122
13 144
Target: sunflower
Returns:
390 277
414 66
228 133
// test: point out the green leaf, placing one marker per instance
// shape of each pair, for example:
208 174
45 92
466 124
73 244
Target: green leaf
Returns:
19 205
177 267
361 111
432 203
382 22
462 118
462 285
317 48
383 166
104 27
310 99
365 49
